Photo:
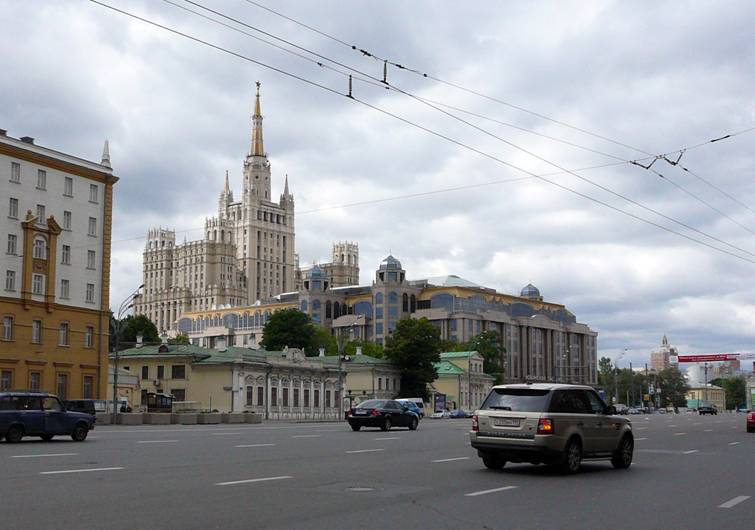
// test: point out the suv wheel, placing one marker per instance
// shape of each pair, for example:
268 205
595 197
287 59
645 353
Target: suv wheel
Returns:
622 457
572 457
413 424
355 427
493 462
14 434
79 433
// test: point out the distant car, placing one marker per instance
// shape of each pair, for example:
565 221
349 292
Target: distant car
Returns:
89 406
440 415
40 414
460 413
413 407
751 421
633 410
383 413
661 411
707 409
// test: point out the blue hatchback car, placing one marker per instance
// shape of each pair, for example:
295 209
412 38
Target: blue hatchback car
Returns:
40 414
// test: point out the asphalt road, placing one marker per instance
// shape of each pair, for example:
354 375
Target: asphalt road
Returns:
689 472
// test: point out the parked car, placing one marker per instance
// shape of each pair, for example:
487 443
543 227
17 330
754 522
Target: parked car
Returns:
413 407
89 406
40 414
440 415
383 413
751 421
707 409
460 413
549 423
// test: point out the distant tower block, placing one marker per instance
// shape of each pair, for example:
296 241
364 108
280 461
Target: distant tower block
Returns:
345 264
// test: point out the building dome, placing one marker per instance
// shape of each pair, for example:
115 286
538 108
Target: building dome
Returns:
530 291
390 263
316 273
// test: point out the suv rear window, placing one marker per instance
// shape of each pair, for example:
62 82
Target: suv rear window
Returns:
517 400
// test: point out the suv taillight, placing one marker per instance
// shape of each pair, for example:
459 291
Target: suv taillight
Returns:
545 426
475 425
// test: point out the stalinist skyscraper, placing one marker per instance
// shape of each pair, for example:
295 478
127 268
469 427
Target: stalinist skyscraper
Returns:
247 253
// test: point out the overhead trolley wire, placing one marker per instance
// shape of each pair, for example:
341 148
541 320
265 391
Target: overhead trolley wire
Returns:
413 124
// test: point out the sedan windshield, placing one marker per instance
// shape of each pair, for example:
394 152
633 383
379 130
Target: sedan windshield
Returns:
517 399
372 404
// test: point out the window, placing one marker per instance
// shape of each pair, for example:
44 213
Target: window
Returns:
51 403
296 397
67 220
62 386
89 337
179 394
35 381
93 192
36 331
10 280
317 398
65 256
380 383
596 404
327 398
63 334
285 397
90 259
41 213
13 208
7 328
12 239
178 371
41 179
38 250
37 284
517 400
145 372
161 372
92 226
64 289
68 189
90 293
306 397
249 396
260 395
569 401
88 387
6 380
15 172
274 396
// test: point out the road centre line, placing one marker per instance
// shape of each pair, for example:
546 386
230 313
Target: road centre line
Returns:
363 451
156 441
733 502
389 438
225 433
708 430
307 436
449 459
485 492
639 439
691 451
733 443
255 445
249 481
88 470
679 433
45 455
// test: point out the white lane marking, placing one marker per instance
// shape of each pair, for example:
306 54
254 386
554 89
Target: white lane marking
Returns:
708 430
690 452
734 501
672 425
157 441
255 445
449 459
41 456
679 433
389 438
80 470
639 439
307 436
363 451
733 443
225 433
485 492
248 481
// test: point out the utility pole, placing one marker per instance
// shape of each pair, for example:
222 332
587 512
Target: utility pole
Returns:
631 383
705 386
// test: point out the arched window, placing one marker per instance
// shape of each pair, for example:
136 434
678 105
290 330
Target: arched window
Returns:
392 298
40 251
336 310
412 304
405 303
303 306
378 298
315 305
328 310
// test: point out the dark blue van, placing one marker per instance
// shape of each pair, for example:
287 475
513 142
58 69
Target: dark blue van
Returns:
40 414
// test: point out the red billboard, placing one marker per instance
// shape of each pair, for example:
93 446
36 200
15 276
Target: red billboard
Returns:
708 358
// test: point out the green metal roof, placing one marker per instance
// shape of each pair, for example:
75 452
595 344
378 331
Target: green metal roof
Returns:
447 368
457 354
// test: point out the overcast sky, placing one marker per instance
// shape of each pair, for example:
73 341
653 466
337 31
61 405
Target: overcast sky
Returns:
656 76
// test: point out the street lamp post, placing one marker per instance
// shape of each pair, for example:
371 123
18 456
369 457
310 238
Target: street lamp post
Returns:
127 304
341 346
615 376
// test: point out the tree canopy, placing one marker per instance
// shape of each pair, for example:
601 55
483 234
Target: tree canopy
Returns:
736 391
131 326
289 327
413 347
368 348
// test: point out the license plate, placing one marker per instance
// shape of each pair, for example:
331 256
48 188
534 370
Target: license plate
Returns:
360 413
506 422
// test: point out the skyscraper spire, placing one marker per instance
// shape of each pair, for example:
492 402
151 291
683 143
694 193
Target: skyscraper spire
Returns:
258 148
227 186
106 155
285 186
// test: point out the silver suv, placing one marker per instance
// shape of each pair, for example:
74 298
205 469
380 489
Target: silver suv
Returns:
549 424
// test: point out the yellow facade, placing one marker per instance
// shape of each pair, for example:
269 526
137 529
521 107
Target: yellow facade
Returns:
714 395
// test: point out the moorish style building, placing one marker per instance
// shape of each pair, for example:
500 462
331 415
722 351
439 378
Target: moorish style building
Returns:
543 340
55 266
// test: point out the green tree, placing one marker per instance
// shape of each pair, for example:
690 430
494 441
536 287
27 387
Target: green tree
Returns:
368 348
736 391
673 387
131 326
181 338
489 345
288 327
322 338
413 347
605 373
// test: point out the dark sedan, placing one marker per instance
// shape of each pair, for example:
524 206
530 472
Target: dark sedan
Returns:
383 413
39 414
